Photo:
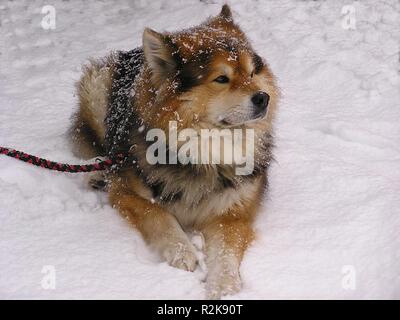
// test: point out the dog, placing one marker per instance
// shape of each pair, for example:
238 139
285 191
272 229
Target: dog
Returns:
204 77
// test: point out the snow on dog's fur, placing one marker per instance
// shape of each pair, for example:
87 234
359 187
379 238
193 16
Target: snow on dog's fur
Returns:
205 77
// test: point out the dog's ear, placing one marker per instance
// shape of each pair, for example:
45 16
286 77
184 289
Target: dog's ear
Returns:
158 55
226 13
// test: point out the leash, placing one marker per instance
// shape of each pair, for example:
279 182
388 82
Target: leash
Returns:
63 167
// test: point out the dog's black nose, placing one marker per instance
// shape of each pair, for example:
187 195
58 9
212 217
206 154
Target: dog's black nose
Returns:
260 100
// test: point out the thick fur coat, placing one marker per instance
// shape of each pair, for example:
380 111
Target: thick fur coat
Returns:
205 77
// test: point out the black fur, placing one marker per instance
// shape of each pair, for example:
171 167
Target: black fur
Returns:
120 119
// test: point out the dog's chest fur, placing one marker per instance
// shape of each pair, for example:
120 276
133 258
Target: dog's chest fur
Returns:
192 193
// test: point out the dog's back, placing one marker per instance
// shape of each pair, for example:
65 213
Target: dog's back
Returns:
105 117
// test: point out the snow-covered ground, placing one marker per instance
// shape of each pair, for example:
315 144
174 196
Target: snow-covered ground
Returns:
331 223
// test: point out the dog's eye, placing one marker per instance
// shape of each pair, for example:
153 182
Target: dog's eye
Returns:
222 79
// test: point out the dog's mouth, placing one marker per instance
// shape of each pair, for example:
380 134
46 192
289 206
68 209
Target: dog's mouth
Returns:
230 121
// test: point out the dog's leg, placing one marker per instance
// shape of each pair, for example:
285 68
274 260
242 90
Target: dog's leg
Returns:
159 228
227 238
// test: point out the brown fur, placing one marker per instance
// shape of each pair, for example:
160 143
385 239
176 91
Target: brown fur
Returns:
163 202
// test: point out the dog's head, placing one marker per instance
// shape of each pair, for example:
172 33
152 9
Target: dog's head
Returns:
209 76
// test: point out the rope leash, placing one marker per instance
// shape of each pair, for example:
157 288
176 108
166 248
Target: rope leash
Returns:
63 167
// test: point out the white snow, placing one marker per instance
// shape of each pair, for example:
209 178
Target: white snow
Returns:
331 223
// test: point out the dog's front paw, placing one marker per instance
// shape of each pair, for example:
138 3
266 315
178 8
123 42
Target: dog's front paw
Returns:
98 181
182 256
222 280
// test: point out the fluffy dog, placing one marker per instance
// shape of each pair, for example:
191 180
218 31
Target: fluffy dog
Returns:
205 77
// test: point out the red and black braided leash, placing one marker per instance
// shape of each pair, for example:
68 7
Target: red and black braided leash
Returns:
63 167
